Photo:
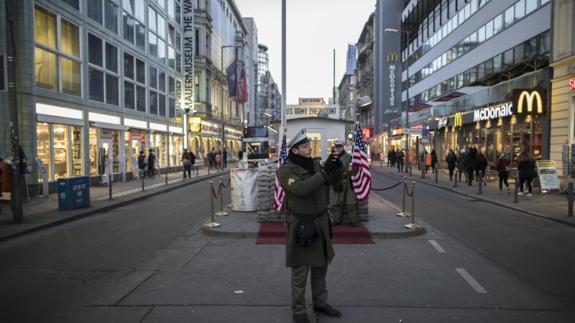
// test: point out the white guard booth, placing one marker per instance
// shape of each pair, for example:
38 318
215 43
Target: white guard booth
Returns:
244 197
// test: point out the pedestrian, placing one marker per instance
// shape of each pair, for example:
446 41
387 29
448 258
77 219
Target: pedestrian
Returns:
393 157
527 171
142 164
151 163
400 158
218 159
503 173
469 164
187 161
433 161
342 200
240 155
308 244
425 161
460 164
451 161
211 158
225 157
481 167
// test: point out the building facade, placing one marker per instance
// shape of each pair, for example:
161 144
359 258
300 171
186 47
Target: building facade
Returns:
364 73
99 81
252 67
473 65
563 88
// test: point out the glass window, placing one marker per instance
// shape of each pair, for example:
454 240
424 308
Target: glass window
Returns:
129 95
530 6
141 98
519 9
111 89
489 29
128 28
153 44
530 49
509 16
45 27
141 36
140 10
162 81
95 10
544 43
153 102
497 24
544 2
497 63
61 145
481 35
162 104
71 76
518 53
128 65
74 3
43 146
140 71
172 35
70 38
152 19
111 58
171 86
172 108
172 57
172 8
111 11
96 85
161 50
95 50
45 69
128 6
153 77
161 27
508 58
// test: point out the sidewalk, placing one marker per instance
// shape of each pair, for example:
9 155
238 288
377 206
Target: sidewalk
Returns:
552 205
42 212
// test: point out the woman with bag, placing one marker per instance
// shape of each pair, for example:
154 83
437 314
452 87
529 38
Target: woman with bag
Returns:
502 164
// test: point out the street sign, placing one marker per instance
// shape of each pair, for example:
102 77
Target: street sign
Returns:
547 175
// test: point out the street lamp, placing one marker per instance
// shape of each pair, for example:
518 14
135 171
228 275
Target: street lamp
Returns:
406 32
222 95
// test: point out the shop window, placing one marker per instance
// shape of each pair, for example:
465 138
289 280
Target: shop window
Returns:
141 99
93 151
111 16
77 164
43 146
129 94
60 135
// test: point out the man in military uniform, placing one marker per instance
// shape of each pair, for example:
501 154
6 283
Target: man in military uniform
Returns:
342 200
308 245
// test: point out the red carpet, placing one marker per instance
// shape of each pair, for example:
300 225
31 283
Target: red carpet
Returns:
274 233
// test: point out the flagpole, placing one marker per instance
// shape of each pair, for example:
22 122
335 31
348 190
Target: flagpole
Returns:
283 126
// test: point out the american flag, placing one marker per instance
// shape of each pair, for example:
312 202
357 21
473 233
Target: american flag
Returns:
279 193
361 181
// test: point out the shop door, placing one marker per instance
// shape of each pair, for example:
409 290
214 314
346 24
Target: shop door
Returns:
106 157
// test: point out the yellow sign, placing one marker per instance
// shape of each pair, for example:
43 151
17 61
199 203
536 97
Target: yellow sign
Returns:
392 57
530 99
458 120
195 124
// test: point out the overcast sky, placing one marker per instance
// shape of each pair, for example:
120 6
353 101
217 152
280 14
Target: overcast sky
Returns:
314 29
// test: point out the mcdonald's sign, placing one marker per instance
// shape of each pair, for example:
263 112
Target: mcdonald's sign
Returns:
458 120
392 57
529 101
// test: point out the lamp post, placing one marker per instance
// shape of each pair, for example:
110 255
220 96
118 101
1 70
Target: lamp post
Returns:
406 32
222 95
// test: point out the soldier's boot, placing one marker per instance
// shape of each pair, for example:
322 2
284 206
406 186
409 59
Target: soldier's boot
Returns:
335 212
328 310
301 318
351 215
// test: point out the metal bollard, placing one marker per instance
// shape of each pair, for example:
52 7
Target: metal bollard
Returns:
412 225
221 212
197 171
570 199
456 176
480 181
167 169
404 199
410 171
213 223
437 174
515 195
422 171
142 179
110 185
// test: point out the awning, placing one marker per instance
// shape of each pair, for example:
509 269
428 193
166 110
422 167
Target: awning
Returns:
59 120
108 126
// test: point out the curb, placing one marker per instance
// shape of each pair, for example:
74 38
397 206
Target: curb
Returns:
106 208
536 214
228 234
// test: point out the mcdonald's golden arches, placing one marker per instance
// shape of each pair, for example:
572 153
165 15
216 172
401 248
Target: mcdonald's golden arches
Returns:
392 57
458 120
529 101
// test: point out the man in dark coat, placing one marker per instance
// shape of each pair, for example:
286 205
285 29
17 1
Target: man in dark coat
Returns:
308 244
451 160
151 163
469 164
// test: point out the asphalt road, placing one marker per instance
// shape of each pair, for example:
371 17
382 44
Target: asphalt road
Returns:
148 262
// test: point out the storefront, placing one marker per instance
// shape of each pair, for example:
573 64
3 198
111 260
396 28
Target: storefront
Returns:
563 122
136 139
509 127
59 147
106 136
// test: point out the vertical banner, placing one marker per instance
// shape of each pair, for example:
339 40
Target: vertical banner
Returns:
188 44
351 59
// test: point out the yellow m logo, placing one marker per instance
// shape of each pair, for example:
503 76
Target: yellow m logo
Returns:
392 57
530 99
458 120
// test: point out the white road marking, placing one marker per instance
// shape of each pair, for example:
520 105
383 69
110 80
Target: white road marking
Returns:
437 247
471 281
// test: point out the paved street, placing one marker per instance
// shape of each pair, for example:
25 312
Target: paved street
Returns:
149 262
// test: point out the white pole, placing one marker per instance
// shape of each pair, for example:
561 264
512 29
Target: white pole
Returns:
283 127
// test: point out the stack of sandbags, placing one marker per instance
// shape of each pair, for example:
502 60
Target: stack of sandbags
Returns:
265 191
362 210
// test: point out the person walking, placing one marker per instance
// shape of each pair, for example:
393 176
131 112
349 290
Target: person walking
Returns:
503 173
425 161
151 163
393 157
142 164
469 164
218 159
434 161
527 171
451 161
187 161
211 158
308 246
400 158
225 157
389 153
481 167
342 200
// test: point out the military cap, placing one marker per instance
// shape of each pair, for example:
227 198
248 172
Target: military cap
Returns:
298 139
